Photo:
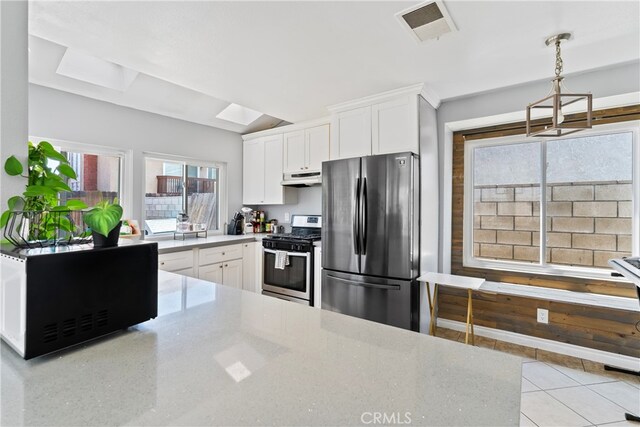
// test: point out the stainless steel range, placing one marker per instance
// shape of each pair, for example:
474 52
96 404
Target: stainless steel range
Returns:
288 260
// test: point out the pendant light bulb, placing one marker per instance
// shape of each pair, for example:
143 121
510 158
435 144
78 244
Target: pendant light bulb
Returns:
560 116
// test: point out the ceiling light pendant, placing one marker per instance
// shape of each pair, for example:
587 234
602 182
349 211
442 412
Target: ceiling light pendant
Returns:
557 100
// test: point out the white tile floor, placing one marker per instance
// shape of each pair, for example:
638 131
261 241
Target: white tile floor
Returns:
554 395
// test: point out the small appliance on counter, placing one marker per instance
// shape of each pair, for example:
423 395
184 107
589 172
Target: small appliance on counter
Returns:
234 227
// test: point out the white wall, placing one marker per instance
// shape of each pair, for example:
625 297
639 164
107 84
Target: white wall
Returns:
13 93
615 80
65 116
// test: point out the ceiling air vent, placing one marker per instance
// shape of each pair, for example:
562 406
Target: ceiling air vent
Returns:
425 21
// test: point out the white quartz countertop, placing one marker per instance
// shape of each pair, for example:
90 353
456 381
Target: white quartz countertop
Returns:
221 356
167 246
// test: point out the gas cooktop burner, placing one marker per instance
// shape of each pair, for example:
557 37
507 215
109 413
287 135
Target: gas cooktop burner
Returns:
292 236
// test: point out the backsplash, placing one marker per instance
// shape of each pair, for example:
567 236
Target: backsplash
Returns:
309 203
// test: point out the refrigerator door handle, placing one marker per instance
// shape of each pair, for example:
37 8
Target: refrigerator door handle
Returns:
356 215
363 217
366 284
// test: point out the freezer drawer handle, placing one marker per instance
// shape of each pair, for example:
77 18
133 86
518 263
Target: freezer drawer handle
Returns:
367 284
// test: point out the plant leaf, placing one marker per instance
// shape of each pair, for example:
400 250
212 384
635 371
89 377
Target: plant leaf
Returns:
67 171
13 166
103 218
45 145
58 185
75 205
39 190
65 224
50 152
13 202
4 218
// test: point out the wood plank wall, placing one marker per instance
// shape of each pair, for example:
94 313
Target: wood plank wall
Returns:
615 331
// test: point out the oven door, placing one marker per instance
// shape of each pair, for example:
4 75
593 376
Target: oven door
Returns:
294 280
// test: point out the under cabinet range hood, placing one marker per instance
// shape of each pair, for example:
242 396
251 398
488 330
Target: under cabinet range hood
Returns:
302 179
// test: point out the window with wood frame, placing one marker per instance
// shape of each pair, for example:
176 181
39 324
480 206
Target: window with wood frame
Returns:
544 211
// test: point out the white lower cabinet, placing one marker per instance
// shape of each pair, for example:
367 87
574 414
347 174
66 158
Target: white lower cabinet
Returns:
211 273
177 262
221 264
252 267
186 272
236 265
232 273
219 254
228 273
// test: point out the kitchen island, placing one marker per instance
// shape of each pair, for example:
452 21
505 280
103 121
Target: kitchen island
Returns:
221 356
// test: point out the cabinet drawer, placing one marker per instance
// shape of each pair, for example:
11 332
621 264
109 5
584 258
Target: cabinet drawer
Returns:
219 254
175 260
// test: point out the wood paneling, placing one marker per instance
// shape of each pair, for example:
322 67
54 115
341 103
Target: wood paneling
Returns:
605 329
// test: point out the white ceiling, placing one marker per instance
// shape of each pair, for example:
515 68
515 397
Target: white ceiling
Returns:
144 93
292 59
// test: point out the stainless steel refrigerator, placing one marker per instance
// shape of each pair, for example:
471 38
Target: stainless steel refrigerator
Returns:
370 238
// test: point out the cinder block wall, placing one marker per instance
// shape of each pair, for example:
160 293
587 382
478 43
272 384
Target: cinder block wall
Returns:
159 206
587 223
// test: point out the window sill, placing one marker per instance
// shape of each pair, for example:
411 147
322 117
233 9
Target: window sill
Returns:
549 270
549 294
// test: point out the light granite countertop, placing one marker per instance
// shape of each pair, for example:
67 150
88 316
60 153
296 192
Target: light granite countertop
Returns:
168 246
221 356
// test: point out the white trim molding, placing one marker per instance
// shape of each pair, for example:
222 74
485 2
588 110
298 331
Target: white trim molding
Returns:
416 89
613 359
430 96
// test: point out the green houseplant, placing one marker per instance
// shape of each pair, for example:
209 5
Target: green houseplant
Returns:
42 216
104 220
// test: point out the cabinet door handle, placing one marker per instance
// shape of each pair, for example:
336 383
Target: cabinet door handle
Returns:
162 263
222 253
226 265
220 266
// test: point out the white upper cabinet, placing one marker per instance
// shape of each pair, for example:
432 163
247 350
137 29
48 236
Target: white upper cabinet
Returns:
394 125
352 133
253 172
305 150
294 151
273 190
378 124
316 147
262 172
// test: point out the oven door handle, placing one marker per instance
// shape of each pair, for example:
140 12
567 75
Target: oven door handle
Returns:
303 254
